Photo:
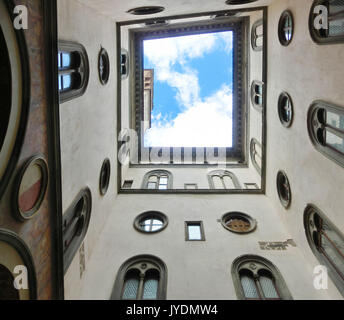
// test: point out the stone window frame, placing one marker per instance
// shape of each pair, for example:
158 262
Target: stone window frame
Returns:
83 70
317 121
255 36
253 153
221 174
254 264
133 263
194 223
240 215
236 24
151 215
310 227
321 36
158 173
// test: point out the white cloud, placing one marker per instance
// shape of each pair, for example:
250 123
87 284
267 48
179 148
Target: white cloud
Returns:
201 122
207 123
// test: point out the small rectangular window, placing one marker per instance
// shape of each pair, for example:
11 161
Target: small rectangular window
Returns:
128 184
191 186
251 186
194 231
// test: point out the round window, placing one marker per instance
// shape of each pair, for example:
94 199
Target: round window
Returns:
238 222
151 222
286 28
146 10
30 188
104 179
285 109
283 189
104 66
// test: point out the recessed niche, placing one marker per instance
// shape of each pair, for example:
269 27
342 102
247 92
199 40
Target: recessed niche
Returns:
238 222
103 66
104 179
285 109
283 189
146 10
30 188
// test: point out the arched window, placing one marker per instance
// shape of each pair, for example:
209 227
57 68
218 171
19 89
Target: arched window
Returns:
73 69
327 243
326 21
75 225
257 95
256 155
124 64
257 35
223 179
326 130
256 278
141 278
158 180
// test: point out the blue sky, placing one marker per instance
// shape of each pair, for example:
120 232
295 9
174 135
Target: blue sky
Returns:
192 90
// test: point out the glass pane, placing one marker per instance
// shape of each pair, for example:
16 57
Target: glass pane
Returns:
249 287
65 60
162 187
156 225
60 83
153 179
194 232
217 182
150 289
336 19
131 286
59 60
334 249
66 81
268 287
335 141
259 30
228 182
163 180
259 42
151 185
335 120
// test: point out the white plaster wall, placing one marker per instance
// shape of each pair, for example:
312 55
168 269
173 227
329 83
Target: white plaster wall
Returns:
88 124
308 72
196 270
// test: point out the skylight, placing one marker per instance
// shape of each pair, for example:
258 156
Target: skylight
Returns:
192 90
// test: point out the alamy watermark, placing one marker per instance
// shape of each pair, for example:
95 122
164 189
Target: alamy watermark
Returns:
128 152
21 19
320 281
